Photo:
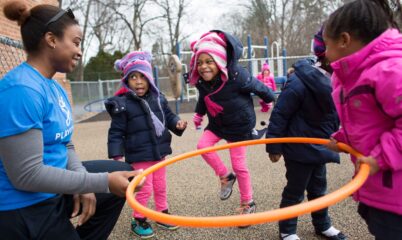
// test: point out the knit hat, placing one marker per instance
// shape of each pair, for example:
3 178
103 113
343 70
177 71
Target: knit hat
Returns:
265 66
214 44
138 61
319 45
211 43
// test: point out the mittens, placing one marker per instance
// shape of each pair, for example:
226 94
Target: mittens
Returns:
197 119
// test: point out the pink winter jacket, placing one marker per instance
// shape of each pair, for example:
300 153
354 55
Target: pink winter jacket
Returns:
268 81
367 91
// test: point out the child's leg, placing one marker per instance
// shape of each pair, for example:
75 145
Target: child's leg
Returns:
159 187
297 176
144 194
239 165
317 187
382 224
209 139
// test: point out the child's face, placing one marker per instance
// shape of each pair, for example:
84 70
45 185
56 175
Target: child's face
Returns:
344 46
266 72
333 49
207 67
138 83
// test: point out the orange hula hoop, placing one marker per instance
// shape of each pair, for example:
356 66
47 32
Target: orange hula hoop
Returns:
256 218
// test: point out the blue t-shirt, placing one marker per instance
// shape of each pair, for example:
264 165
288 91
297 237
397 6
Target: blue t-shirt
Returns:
28 100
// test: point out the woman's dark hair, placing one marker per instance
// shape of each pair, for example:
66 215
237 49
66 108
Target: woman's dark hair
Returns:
36 22
364 19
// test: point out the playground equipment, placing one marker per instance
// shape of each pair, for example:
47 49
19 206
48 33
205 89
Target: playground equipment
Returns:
175 70
256 218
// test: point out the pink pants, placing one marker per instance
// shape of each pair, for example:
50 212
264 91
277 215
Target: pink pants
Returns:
238 159
155 182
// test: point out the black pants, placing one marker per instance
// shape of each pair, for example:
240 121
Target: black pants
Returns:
301 177
50 219
382 224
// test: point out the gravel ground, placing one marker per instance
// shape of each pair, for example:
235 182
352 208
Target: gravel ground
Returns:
193 190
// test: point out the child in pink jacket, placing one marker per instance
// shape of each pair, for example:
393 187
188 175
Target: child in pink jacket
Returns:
267 78
367 91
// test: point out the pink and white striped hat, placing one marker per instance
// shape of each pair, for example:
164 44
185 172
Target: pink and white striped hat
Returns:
214 44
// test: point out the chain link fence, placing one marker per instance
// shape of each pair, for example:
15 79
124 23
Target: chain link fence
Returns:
89 96
11 54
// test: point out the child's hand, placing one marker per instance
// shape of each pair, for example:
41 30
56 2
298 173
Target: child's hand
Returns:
181 124
332 145
197 119
372 162
274 157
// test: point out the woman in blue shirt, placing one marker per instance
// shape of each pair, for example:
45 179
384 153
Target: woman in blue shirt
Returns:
42 182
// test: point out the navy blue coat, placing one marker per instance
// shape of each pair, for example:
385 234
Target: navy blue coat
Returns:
238 117
132 134
304 109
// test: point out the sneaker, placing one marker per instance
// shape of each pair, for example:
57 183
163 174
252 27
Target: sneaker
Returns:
247 208
227 186
165 225
141 228
339 236
284 236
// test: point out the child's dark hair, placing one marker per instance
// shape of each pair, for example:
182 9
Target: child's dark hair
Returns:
35 22
364 19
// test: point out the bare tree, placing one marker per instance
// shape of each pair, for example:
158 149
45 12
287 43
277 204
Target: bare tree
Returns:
134 21
290 22
104 25
173 13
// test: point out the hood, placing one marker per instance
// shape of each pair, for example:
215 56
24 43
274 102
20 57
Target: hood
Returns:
234 48
315 80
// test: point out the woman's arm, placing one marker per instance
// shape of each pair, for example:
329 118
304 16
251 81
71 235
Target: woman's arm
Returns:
73 162
26 171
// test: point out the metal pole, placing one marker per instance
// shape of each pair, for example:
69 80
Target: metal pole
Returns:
100 89
178 50
155 72
266 50
250 66
181 94
285 68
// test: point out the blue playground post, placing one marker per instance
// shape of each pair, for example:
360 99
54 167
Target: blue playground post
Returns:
155 72
285 68
266 51
250 66
181 94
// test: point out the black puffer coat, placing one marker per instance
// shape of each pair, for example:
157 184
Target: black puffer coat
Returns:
238 117
132 133
304 109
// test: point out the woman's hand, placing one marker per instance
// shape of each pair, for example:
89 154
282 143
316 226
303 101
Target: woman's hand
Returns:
274 157
181 124
118 181
88 203
372 162
332 145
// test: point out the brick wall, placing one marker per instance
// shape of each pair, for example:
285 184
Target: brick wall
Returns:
11 56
